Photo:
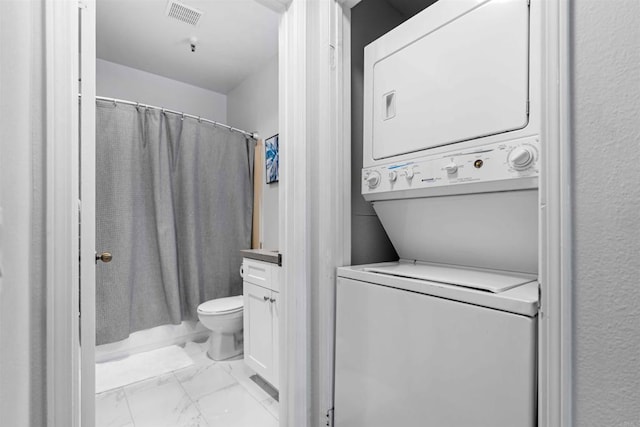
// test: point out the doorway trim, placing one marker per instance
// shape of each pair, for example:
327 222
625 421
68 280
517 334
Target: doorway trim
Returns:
315 201
62 194
88 246
555 239
555 349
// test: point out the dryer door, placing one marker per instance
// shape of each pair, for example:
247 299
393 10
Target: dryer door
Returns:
455 72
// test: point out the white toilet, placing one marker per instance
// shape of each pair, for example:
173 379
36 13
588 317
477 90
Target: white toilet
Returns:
223 316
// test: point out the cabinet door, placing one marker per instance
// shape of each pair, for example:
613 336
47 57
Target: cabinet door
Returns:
275 317
258 331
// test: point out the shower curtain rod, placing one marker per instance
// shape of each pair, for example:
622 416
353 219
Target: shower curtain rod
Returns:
116 101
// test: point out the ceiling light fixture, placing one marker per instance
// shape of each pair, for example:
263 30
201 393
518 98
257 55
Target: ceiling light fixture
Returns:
193 41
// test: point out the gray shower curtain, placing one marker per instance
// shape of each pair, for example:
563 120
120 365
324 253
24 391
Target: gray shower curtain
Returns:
174 206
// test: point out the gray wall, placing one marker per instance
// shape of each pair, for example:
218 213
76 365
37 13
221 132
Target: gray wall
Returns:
22 240
369 242
606 108
253 106
369 20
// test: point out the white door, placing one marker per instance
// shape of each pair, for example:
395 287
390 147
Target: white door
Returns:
87 90
258 329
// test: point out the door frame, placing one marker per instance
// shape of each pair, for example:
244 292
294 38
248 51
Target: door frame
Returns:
315 213
62 195
88 247
70 132
555 372
315 200
555 326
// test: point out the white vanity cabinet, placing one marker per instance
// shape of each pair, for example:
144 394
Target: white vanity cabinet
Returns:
261 314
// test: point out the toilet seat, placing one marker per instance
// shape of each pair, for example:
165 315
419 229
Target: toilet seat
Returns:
227 305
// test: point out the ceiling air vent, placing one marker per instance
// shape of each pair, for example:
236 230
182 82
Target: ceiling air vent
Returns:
184 13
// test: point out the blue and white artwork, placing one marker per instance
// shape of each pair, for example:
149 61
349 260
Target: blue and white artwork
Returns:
272 159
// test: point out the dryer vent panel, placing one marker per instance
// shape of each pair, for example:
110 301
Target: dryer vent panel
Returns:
182 12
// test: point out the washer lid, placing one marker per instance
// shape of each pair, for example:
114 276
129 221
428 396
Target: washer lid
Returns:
222 305
452 283
469 278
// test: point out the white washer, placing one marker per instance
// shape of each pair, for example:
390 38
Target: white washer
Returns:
441 347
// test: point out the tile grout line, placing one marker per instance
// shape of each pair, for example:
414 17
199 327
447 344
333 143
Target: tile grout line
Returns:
267 409
194 402
126 399
255 398
238 375
185 390
230 372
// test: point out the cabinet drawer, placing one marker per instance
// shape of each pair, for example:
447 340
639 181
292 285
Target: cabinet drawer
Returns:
257 272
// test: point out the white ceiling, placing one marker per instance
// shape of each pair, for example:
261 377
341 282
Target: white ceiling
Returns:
236 38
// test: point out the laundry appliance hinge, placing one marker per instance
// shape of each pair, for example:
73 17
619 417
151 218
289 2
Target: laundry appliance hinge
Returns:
330 418
332 57
79 261
539 296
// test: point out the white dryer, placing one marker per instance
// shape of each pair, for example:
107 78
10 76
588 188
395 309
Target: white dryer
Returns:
446 337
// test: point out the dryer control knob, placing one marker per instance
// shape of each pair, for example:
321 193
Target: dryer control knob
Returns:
451 168
521 157
393 175
373 179
409 173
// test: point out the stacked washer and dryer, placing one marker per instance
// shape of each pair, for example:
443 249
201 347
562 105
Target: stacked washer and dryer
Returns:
447 335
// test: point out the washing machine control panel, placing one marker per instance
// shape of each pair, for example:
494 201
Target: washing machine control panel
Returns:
495 167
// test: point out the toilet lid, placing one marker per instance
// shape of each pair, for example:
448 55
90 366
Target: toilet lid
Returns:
221 305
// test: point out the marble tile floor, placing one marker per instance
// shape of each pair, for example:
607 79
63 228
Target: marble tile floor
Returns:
206 394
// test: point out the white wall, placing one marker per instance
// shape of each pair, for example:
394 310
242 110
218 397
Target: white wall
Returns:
22 286
253 106
606 107
118 81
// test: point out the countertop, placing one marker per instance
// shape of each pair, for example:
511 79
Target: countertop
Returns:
265 255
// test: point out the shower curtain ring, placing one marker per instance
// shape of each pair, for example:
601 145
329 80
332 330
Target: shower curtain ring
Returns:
182 116
199 119
115 104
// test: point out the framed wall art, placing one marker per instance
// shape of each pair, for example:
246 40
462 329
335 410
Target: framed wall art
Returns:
272 159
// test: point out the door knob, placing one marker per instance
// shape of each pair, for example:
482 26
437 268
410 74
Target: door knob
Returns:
104 257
